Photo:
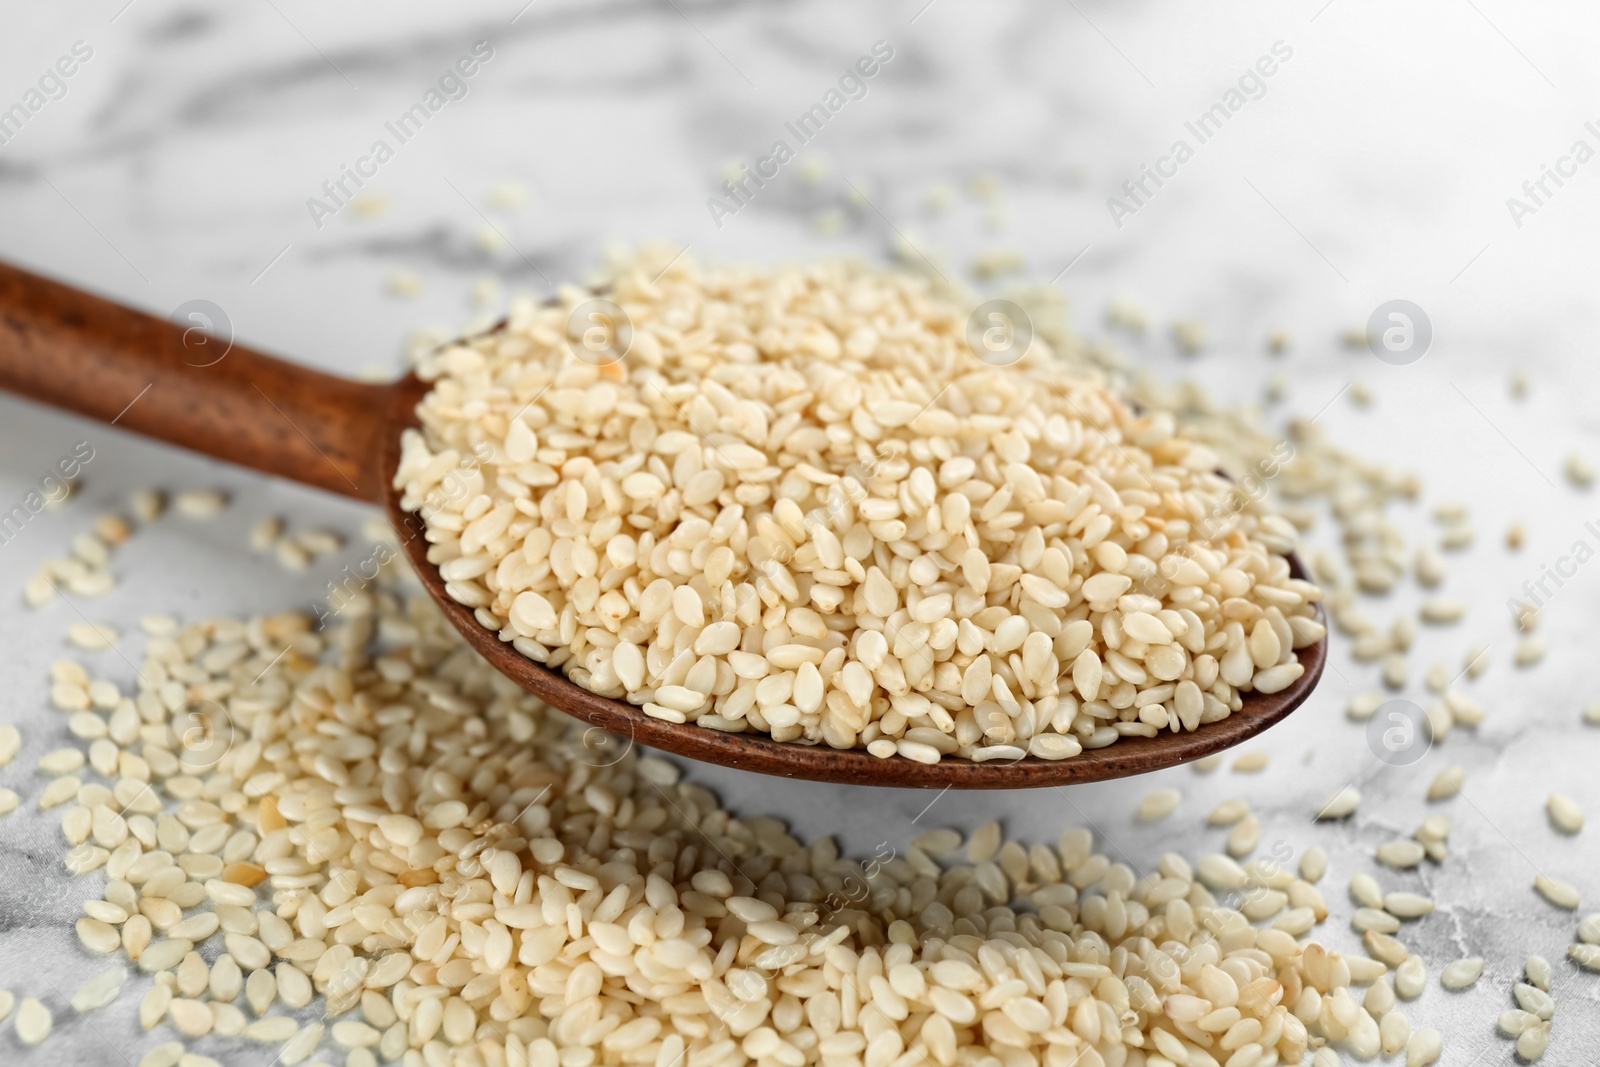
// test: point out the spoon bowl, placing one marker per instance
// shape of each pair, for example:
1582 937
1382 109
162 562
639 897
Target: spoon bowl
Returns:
183 382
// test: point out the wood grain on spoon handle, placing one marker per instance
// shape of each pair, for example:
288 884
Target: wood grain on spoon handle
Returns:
74 350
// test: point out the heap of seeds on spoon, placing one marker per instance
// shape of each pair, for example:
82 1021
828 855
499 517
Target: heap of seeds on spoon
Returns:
797 502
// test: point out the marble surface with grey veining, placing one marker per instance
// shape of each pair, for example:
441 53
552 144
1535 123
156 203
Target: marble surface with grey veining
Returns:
1395 151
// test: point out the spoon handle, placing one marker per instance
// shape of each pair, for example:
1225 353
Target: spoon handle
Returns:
175 381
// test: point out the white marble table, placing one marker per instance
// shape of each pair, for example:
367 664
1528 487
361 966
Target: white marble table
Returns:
1375 164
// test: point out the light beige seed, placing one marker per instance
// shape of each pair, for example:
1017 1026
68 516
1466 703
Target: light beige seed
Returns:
1395 671
195 927
1533 1042
92 636
1424 1047
192 975
272 1030
1341 804
1513 1021
61 761
1385 948
1220 872
1228 812
34 1021
1313 864
200 503
192 1018
1585 955
1250 762
984 843
291 555
166 1054
164 955
225 980
1530 650
266 532
303 1044
153 1005
69 696
1158 804
1437 678
937 842
1363 706
352 1033
1462 973
1433 828
1407 905
1442 611
400 830
1394 1031
321 541
1532 998
100 990
1447 783
1403 853
260 989
228 893
1244 837
1377 919
148 504
1539 972
1051 746
1564 813
98 936
247 951
1410 978
1363 971
1379 999
1557 892
1277 679
531 613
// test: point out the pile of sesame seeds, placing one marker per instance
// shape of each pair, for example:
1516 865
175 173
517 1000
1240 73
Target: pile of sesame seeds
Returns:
374 817
799 502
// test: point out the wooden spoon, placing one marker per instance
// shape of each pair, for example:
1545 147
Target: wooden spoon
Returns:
166 380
